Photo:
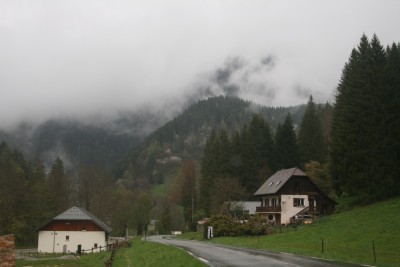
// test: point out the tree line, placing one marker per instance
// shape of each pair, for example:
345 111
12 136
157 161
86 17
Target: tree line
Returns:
365 136
235 166
31 195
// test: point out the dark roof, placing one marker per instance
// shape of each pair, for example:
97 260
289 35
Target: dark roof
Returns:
80 214
277 180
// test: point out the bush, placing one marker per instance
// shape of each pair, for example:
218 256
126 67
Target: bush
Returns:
224 225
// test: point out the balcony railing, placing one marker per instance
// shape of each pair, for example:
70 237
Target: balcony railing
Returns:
269 209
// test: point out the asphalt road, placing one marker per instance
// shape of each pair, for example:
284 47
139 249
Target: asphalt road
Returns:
218 255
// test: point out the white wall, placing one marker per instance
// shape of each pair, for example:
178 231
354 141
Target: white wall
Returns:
87 239
288 210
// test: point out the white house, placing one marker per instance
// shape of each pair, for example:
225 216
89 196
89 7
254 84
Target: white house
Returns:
290 192
74 230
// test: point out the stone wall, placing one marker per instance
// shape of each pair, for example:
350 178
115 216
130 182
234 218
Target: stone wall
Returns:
7 254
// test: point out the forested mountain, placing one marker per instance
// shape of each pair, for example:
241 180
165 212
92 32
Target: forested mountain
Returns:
83 143
184 137
115 143
79 157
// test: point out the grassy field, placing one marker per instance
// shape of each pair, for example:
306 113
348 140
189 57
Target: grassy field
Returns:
162 190
348 236
89 260
140 254
152 254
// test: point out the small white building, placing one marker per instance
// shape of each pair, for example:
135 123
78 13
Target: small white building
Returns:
242 208
74 230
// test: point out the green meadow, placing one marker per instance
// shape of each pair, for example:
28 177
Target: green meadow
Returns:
349 236
143 254
139 254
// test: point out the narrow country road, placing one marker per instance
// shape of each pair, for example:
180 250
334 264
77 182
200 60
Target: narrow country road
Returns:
218 255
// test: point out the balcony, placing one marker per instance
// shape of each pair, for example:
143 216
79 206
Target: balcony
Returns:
269 209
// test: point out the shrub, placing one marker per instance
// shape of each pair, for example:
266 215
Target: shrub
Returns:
224 225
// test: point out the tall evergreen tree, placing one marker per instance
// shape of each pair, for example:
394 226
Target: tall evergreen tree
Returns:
363 150
208 172
188 191
12 192
390 123
286 152
58 186
216 163
311 142
257 153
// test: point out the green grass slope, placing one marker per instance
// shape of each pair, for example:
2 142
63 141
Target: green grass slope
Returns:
143 254
348 236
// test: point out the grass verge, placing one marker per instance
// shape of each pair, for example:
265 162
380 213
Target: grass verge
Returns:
89 260
145 254
139 254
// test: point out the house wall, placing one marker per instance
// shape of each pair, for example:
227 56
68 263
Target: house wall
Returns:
54 241
288 209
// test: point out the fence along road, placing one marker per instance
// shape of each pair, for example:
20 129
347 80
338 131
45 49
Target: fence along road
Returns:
218 255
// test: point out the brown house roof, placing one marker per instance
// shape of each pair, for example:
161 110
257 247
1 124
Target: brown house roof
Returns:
277 180
79 214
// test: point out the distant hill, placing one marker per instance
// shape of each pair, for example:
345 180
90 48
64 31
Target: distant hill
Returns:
184 137
76 142
142 140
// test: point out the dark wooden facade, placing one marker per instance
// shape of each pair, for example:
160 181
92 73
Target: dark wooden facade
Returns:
302 185
71 225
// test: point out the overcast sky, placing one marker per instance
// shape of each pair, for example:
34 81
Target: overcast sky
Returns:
81 57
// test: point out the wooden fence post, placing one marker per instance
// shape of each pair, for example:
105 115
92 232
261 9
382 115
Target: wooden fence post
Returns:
373 249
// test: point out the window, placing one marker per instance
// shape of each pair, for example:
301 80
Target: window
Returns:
95 245
67 238
298 202
270 217
267 202
275 202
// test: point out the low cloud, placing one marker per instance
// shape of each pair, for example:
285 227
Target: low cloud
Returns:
92 60
257 81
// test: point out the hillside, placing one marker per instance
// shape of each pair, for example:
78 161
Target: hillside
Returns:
348 236
144 139
77 142
184 137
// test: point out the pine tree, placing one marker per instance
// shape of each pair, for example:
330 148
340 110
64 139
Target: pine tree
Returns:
311 142
208 171
12 192
286 151
257 151
188 191
58 187
363 148
216 163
